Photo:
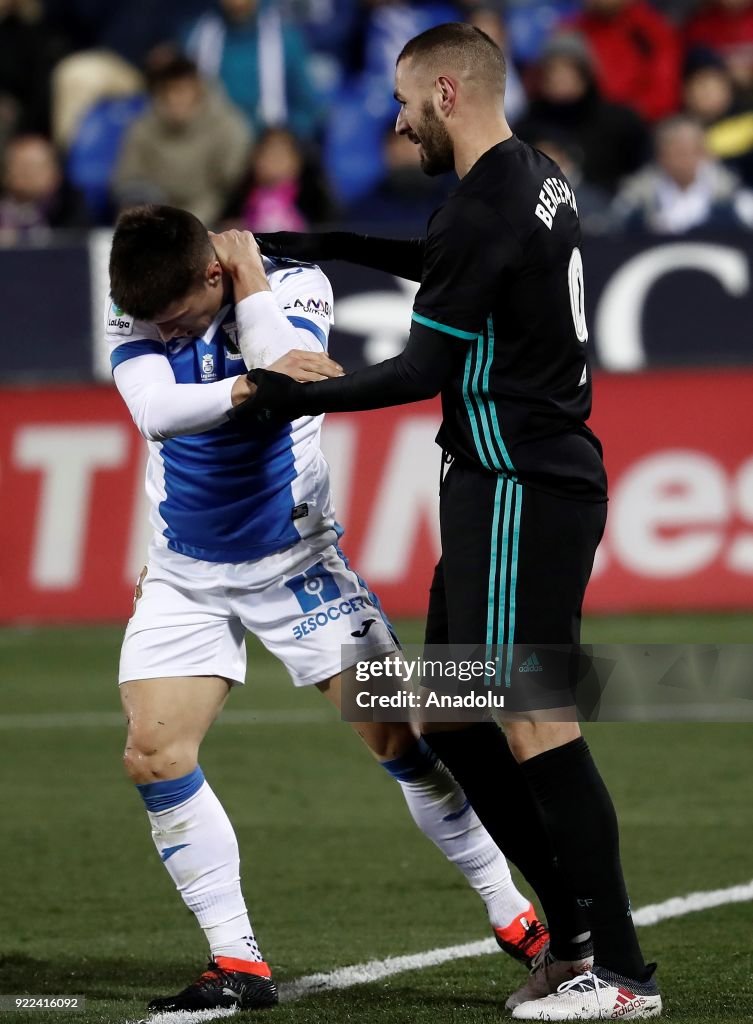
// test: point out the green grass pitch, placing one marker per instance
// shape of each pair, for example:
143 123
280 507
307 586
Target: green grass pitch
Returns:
334 871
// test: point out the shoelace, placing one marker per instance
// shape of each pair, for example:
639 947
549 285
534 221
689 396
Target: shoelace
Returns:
212 974
586 982
533 934
541 959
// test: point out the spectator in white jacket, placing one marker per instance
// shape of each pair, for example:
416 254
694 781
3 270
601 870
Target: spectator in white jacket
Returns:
684 188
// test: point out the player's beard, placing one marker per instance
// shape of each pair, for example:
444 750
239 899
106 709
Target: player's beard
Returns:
438 155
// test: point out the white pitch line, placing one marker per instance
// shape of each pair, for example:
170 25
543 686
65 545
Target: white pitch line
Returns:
106 719
185 1017
679 906
375 970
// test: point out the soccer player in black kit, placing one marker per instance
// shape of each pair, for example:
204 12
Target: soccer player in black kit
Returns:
498 328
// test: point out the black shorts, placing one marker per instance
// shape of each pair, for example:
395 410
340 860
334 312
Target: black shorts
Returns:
513 573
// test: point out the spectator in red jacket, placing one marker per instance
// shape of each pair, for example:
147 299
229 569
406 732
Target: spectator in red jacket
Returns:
637 52
727 27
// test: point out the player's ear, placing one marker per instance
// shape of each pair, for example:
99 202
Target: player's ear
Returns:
214 273
445 94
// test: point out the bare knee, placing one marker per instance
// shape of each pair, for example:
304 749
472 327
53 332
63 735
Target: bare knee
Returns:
147 760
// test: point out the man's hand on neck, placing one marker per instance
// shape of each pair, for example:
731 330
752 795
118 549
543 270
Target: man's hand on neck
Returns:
239 256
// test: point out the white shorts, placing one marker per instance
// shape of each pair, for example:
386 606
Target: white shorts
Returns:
305 604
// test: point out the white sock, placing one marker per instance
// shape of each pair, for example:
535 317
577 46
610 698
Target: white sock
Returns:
197 845
440 809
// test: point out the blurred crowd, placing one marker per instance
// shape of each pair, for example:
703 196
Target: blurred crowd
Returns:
278 114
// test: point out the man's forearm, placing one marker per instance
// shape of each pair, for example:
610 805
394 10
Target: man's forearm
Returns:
398 256
401 257
417 373
374 387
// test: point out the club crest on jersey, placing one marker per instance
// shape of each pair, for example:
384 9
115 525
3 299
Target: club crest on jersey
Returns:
231 341
208 372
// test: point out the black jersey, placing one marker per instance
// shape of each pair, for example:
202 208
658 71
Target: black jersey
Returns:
498 328
503 276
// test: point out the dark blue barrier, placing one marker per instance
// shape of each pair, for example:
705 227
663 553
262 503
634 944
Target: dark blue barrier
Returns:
45 318
650 303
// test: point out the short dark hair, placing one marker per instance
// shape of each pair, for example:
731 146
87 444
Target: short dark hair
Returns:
159 255
669 125
176 69
466 45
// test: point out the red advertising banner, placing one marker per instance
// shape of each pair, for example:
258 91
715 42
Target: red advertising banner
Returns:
679 453
679 450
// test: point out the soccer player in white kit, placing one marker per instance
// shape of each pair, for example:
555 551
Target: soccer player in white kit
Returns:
245 539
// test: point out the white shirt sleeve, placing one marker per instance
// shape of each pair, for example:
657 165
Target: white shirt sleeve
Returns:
161 407
296 314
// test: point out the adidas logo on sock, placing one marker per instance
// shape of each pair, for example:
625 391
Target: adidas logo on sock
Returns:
531 664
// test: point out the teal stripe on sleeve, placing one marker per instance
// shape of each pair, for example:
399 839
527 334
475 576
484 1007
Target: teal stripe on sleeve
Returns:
482 401
492 407
466 335
469 405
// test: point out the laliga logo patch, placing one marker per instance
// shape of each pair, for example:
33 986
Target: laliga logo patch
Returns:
119 322
207 367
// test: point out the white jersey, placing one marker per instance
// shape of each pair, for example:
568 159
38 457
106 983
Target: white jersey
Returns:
221 492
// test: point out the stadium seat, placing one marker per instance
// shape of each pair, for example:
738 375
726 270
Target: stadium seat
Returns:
353 139
364 107
530 23
391 26
94 150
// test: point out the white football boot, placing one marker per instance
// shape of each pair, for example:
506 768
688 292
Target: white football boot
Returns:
602 996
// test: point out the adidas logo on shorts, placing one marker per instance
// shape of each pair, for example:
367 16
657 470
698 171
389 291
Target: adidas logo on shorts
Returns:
531 664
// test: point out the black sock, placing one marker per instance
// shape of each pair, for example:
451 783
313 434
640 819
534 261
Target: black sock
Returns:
483 765
581 820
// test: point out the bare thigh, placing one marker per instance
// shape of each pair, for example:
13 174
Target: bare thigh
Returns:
167 720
